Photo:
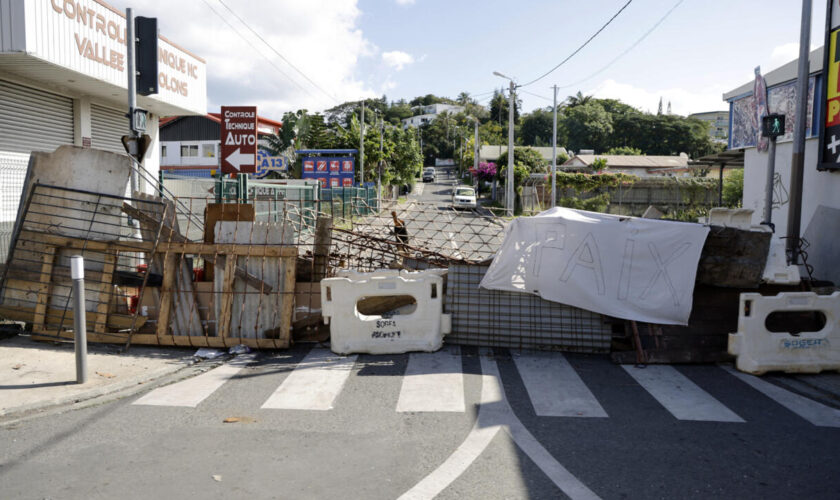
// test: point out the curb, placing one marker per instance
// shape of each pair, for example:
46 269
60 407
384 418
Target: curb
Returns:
92 394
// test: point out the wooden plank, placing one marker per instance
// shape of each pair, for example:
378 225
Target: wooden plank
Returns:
105 292
323 238
82 244
223 322
27 315
240 250
47 261
170 264
215 212
288 299
171 340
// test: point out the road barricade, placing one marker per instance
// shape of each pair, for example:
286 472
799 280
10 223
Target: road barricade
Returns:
759 350
410 315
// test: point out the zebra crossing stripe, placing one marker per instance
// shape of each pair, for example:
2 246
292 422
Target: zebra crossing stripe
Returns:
812 411
189 393
679 395
433 382
555 388
314 384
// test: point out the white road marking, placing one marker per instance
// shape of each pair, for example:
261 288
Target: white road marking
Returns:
555 388
495 414
191 392
314 384
679 395
812 411
433 382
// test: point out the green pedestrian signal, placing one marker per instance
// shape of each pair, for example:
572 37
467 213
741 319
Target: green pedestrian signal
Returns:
773 126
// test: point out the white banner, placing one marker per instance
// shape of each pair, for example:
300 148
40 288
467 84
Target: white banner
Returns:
627 267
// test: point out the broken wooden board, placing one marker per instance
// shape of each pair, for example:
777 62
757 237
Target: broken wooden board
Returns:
215 212
243 310
183 309
733 258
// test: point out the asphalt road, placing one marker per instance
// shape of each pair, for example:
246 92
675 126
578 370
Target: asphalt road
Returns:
388 428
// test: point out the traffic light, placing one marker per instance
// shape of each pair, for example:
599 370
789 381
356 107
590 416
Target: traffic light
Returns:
146 54
773 125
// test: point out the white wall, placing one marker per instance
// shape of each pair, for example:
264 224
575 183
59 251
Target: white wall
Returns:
818 188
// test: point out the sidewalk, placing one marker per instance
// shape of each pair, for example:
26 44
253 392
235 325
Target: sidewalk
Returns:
39 375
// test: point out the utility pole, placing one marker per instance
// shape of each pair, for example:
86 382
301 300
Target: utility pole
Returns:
362 147
797 165
381 159
476 152
509 192
554 154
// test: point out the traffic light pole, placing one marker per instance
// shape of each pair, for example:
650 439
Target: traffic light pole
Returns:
768 190
131 71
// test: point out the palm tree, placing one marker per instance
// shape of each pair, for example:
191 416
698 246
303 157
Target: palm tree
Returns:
578 99
463 98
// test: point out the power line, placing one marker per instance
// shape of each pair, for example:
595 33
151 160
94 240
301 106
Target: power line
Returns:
581 47
537 95
258 51
277 52
626 51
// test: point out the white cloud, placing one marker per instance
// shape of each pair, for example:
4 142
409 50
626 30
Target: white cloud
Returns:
320 37
405 2
783 54
397 59
683 101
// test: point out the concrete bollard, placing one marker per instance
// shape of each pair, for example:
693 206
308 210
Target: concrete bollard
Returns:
77 272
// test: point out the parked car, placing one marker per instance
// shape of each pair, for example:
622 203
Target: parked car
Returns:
463 197
429 175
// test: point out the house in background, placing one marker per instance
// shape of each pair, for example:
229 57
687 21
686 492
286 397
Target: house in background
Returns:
718 124
638 165
426 114
492 152
190 145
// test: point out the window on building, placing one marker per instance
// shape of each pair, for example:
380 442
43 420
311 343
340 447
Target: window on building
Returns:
189 150
208 150
163 150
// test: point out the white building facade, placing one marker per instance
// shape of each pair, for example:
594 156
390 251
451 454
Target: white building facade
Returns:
820 220
426 114
63 81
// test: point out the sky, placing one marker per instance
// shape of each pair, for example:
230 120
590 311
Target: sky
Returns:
320 53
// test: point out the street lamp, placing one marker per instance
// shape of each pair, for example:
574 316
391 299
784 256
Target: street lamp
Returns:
509 183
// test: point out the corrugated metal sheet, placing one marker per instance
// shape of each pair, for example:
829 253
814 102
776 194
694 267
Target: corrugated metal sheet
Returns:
190 128
504 319
107 126
33 120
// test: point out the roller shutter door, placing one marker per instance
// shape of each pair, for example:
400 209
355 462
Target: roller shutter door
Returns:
33 120
107 126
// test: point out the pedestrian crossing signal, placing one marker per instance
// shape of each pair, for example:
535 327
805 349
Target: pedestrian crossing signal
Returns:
773 126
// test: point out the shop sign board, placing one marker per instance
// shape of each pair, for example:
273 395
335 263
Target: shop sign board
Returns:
266 164
239 139
829 157
330 171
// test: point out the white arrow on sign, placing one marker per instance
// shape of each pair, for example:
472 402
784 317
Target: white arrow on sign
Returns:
238 159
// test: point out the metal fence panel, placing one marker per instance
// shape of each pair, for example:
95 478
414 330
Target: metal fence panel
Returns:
517 320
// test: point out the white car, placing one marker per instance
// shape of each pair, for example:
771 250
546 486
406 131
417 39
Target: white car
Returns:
463 197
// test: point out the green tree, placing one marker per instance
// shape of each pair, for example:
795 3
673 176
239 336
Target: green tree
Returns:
624 151
536 128
578 99
499 110
733 188
589 126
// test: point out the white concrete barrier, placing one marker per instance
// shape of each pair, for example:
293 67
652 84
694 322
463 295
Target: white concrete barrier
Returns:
418 327
759 350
